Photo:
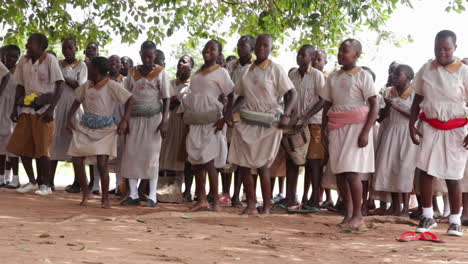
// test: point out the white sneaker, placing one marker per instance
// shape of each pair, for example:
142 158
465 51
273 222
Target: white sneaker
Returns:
44 190
28 187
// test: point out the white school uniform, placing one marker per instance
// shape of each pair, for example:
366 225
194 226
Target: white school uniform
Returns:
445 89
203 144
140 159
263 87
77 71
396 153
347 90
172 144
97 99
235 69
7 102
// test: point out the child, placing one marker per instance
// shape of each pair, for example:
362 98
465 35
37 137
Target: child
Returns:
96 135
320 60
91 52
39 89
309 82
349 113
231 58
206 141
172 144
395 157
75 74
9 56
160 58
441 85
256 139
126 65
140 160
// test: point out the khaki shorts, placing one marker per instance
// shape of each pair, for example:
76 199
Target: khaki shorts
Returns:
32 137
316 150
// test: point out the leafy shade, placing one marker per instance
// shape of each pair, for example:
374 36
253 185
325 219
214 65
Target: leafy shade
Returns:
322 23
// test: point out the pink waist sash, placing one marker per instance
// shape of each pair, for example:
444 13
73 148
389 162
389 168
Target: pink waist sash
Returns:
340 119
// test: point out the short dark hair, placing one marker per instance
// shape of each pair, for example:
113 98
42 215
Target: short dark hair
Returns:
355 43
9 48
267 36
148 45
369 71
69 39
220 46
42 39
406 69
130 61
101 64
446 34
192 62
310 49
249 39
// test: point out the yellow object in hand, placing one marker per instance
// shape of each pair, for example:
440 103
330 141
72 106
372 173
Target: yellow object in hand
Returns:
29 99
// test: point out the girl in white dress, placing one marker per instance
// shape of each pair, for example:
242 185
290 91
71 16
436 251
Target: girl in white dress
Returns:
150 86
441 88
396 154
203 111
349 113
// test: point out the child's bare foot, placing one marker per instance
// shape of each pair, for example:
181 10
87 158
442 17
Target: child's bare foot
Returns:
345 221
249 211
355 223
404 214
84 200
199 206
105 204
216 207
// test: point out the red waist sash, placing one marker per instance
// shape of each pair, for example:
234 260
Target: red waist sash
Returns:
448 125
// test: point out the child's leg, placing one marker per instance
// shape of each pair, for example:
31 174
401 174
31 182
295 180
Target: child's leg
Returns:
273 181
104 172
133 186
292 174
355 187
143 190
454 198
2 170
249 189
39 173
200 182
328 197
53 169
14 163
406 197
343 189
365 194
446 205
396 203
213 176
28 167
265 184
314 168
91 176
80 175
226 183
235 200
464 216
44 165
188 180
281 185
427 221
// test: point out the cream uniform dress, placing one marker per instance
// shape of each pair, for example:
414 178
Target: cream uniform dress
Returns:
203 144
396 153
172 144
7 102
348 90
262 86
445 89
97 99
140 159
77 71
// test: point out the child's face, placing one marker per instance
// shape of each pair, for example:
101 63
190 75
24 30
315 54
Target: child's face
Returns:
444 49
184 67
124 65
210 51
10 58
114 64
148 57
303 58
244 50
69 49
347 54
92 72
263 48
320 61
91 51
399 78
33 47
160 59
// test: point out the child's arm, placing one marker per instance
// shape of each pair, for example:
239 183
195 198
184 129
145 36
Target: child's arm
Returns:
371 117
19 93
4 83
48 115
71 114
228 110
311 112
123 125
326 108
290 100
165 115
401 111
72 83
415 135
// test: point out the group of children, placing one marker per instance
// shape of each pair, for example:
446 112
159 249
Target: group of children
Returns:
246 117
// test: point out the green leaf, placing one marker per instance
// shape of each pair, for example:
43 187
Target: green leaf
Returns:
439 249
44 236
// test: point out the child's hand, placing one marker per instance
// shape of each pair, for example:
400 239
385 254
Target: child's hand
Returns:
415 135
14 115
284 121
70 125
388 102
162 128
123 127
465 143
363 139
219 125
48 116
300 124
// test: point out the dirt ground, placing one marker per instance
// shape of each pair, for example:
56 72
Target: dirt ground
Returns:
56 229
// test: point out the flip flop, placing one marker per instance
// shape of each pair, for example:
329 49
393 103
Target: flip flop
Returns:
303 210
464 222
431 237
409 237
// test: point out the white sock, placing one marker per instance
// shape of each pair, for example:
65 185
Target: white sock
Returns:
446 206
133 184
455 219
2 179
428 212
97 180
15 180
153 185
7 176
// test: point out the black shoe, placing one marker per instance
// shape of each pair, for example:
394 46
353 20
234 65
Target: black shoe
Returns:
455 230
96 192
149 203
426 224
112 191
130 202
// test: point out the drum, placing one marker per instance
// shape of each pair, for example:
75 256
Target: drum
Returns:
296 144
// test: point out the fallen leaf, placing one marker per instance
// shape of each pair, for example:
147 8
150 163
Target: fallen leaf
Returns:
141 221
438 249
185 216
44 236
346 231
